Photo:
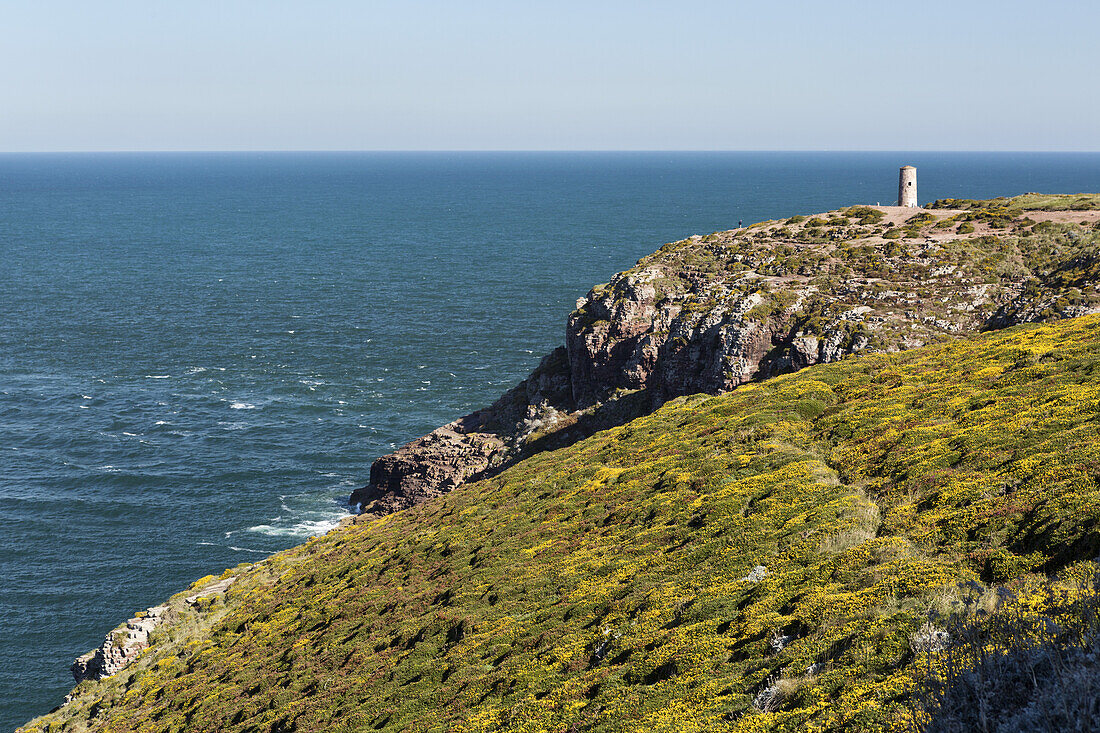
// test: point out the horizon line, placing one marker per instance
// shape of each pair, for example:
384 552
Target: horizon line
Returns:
121 151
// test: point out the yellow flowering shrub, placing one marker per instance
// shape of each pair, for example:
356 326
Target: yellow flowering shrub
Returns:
755 561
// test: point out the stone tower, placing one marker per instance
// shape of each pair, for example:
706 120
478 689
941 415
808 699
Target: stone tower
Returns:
907 187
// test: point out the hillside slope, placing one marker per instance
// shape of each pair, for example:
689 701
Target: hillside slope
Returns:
707 314
758 560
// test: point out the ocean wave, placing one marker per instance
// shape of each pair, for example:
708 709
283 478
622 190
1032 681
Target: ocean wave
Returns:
158 376
306 528
241 406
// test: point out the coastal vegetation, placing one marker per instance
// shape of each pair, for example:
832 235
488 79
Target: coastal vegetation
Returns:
814 551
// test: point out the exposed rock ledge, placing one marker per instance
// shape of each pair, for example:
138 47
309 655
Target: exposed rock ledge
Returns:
707 314
121 647
126 643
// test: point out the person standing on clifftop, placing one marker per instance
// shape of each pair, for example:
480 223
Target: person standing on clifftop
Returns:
739 223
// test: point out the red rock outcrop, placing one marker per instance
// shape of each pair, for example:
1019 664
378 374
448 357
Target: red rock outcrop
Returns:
707 314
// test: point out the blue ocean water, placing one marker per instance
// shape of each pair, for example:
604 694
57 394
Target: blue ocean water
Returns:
201 354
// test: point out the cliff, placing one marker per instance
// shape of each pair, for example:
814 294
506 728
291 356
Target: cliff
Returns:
786 556
709 313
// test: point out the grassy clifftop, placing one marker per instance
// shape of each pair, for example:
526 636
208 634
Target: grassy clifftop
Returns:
614 585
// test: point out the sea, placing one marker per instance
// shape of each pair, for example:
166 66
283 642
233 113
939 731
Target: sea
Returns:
202 353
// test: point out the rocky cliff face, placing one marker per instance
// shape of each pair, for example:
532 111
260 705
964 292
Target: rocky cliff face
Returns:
707 314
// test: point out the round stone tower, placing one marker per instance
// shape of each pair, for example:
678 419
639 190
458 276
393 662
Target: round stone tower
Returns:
907 187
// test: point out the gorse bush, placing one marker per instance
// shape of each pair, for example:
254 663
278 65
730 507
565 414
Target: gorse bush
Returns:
1030 666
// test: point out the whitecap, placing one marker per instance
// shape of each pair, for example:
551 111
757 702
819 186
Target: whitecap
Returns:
241 406
132 435
248 549
158 376
83 407
161 422
83 396
196 370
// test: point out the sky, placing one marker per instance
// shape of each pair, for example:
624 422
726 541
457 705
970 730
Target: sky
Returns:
555 75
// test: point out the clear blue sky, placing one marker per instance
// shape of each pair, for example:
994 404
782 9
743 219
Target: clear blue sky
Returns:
601 74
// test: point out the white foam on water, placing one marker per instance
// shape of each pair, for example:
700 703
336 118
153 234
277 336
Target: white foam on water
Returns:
241 406
162 422
306 528
83 407
83 396
132 435
196 370
158 376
